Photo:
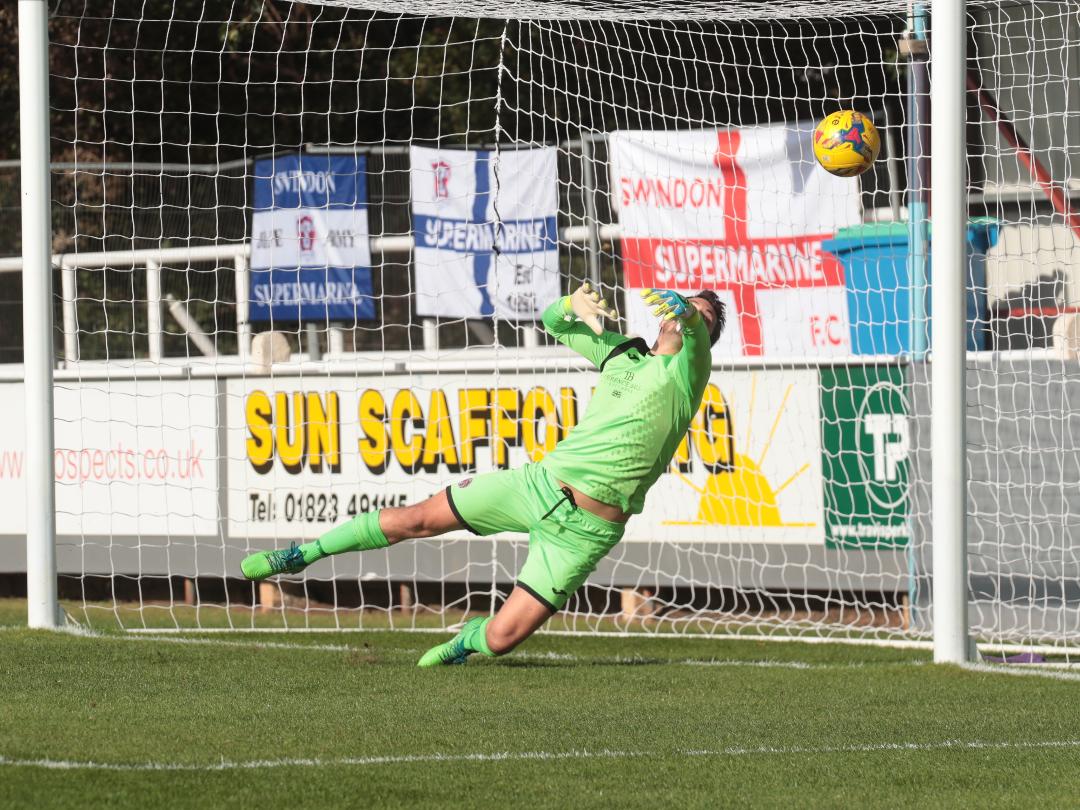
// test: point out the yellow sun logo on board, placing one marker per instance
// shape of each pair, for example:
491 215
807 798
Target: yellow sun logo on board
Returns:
739 493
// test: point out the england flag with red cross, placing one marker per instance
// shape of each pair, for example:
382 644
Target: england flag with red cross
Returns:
742 212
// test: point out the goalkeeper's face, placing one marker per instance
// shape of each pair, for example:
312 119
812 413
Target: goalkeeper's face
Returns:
706 310
669 341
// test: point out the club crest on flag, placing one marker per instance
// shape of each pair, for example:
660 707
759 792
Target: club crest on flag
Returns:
305 233
440 171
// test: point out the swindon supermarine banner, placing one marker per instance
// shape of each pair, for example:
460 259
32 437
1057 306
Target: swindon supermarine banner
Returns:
743 212
485 231
310 251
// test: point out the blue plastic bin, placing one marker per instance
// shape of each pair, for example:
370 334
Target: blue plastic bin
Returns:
875 259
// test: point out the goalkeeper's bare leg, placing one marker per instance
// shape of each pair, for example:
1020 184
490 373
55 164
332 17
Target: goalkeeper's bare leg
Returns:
367 531
518 618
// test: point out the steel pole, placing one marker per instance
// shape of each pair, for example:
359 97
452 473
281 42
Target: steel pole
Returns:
155 331
918 185
588 193
242 268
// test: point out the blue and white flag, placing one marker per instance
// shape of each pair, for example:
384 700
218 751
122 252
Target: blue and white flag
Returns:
485 249
310 252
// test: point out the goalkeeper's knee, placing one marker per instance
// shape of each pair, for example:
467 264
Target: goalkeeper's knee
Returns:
504 637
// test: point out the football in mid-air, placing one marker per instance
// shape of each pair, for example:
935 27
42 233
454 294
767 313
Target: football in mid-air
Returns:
846 143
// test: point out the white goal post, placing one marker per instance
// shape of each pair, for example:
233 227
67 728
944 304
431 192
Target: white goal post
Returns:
300 275
948 183
42 606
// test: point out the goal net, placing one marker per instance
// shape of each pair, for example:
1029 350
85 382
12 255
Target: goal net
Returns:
303 248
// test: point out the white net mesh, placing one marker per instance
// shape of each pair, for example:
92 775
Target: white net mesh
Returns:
441 178
1022 422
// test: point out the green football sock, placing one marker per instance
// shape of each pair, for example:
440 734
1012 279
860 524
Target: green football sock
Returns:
474 636
362 533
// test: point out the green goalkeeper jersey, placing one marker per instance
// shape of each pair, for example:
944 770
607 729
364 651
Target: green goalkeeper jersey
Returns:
639 412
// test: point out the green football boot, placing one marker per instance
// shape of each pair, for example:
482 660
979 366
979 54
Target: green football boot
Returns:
452 651
265 564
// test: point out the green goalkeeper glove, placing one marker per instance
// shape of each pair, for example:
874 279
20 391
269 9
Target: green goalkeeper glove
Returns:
668 305
589 307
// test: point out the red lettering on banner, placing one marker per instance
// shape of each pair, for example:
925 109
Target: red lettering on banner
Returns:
826 330
671 192
746 268
774 263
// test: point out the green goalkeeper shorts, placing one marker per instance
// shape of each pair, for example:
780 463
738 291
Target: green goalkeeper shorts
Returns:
565 541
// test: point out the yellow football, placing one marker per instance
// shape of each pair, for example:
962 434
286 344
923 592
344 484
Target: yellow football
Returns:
846 143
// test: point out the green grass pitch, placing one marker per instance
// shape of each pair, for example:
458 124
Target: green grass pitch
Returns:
346 720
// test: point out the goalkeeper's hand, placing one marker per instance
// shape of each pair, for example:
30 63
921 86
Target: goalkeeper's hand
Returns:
668 305
589 307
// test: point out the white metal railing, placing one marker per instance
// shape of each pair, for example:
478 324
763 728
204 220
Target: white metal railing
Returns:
152 260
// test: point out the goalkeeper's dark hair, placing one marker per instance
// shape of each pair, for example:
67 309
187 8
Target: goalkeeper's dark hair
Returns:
718 309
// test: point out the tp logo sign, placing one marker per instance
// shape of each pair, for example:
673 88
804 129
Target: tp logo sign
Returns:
884 444
866 444
890 435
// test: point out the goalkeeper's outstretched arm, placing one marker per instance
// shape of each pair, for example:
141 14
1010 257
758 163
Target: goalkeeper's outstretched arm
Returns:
574 321
694 362
686 332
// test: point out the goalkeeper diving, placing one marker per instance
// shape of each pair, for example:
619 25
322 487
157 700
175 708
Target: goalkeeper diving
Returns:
575 502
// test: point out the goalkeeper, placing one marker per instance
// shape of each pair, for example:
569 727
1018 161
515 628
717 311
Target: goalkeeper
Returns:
575 502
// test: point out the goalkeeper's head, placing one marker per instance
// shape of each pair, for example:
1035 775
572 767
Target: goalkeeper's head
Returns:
713 311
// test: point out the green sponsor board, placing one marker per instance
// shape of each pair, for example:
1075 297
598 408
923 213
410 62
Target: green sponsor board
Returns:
865 443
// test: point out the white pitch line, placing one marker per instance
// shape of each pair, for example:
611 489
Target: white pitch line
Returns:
692 662
1025 670
662 635
521 656
534 756
83 632
962 745
406 759
1061 672
768 664
270 645
1006 669
210 642
551 655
